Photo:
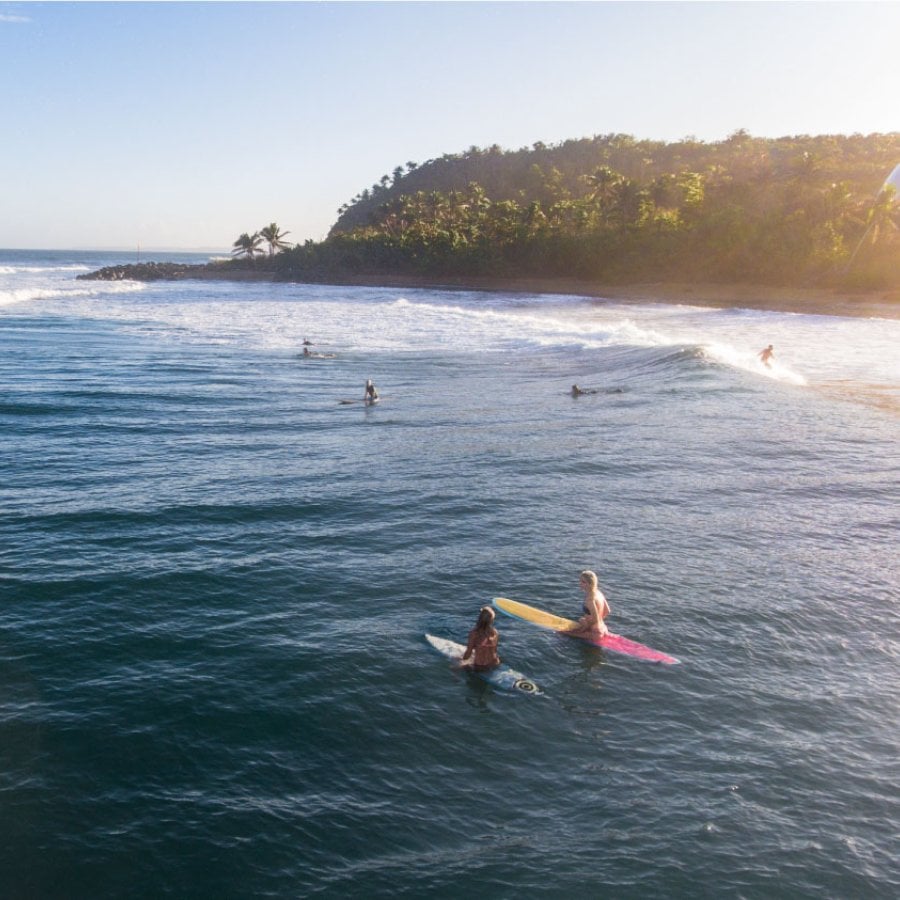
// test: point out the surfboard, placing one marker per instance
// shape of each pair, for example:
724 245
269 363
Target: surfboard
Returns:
374 402
614 642
503 677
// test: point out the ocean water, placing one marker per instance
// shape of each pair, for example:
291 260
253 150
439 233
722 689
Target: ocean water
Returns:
215 581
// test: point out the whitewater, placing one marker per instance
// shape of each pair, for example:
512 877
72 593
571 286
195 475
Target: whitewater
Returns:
820 351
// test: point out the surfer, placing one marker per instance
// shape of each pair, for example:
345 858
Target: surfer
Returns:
483 640
576 391
371 395
766 355
596 609
309 355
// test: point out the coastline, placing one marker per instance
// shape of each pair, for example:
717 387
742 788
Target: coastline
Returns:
883 304
823 301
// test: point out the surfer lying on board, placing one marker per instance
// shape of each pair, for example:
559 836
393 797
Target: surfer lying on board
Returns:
483 640
371 394
596 609
309 355
580 391
766 355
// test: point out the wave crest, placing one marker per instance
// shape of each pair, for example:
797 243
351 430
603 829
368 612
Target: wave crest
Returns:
749 361
26 295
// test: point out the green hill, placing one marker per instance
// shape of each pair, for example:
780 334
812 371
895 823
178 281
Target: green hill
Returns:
793 210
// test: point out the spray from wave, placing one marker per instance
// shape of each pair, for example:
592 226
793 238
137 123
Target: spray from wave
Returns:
14 270
748 361
26 295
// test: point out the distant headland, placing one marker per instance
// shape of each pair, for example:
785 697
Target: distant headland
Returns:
807 224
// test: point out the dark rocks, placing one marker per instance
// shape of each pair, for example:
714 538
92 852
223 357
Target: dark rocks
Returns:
149 271
169 271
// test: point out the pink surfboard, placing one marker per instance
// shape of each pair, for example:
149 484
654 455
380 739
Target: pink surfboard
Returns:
614 642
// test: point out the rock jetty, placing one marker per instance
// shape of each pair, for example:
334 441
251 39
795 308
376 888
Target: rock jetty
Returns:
169 271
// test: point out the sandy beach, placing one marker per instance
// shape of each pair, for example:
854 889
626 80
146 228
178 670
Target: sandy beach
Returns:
810 301
823 301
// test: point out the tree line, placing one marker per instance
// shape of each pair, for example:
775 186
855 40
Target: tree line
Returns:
792 211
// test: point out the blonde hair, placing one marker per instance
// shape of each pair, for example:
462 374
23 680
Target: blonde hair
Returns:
590 576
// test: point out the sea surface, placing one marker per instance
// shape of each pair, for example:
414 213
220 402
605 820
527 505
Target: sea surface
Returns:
215 582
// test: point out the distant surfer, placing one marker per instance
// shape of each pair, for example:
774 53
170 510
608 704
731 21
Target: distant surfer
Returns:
596 609
309 355
371 395
766 355
483 641
580 391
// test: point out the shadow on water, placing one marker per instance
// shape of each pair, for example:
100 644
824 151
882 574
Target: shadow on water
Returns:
884 397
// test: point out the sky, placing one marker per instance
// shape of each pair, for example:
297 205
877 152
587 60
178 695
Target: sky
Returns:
181 125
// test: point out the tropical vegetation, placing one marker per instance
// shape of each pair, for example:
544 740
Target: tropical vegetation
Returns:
248 245
274 237
794 211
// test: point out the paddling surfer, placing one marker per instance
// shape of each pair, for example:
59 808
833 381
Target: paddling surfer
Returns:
596 608
483 640
580 391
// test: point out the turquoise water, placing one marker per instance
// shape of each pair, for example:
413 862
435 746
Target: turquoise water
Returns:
216 581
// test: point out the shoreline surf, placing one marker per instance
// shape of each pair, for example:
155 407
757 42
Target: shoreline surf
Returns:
883 304
823 301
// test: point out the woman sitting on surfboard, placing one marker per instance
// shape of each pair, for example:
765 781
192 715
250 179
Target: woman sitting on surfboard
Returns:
596 609
371 394
483 640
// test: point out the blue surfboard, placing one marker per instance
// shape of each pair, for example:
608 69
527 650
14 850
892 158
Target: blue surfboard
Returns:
503 676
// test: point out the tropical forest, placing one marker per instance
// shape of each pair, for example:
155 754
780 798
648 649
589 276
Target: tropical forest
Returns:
793 211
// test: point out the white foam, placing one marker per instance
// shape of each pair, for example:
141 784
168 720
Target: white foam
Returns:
13 270
808 349
749 361
28 295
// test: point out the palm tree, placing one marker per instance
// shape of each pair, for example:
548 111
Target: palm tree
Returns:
883 218
247 245
273 236
601 189
628 202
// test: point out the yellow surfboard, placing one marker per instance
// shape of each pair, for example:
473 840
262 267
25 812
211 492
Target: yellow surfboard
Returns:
535 616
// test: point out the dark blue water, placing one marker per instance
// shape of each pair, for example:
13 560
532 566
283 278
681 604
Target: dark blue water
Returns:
215 581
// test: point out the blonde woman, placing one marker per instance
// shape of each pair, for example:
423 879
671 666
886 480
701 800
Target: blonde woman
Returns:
596 609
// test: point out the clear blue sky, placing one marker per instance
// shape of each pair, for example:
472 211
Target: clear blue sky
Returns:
180 125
